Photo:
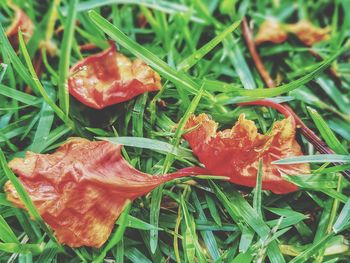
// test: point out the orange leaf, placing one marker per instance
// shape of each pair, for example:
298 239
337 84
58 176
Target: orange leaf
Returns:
81 188
20 21
236 152
308 33
109 78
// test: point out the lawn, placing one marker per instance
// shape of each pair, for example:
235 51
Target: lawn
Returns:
180 192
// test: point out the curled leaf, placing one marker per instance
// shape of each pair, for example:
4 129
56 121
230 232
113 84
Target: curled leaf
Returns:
81 188
109 78
236 152
308 33
271 31
20 21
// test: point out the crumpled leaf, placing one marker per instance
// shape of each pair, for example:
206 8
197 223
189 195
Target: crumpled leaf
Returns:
308 33
81 188
109 78
236 152
271 31
20 21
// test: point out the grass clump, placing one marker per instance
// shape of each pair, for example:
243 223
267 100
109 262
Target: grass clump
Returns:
198 49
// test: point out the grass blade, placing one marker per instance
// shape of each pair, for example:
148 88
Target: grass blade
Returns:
68 35
19 95
239 208
16 62
6 233
187 63
38 84
257 194
326 132
319 158
151 144
343 218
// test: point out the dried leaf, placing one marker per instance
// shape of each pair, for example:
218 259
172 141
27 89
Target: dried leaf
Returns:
271 31
308 33
109 78
20 21
81 188
236 152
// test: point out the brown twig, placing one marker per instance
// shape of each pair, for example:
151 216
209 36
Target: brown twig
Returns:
320 145
249 39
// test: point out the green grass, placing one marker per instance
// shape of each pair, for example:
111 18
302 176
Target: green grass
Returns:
198 49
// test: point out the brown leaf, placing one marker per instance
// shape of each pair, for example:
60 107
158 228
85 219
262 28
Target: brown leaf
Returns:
20 21
271 31
308 33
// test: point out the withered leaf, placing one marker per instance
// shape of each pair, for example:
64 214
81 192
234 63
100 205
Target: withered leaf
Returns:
236 152
109 78
81 188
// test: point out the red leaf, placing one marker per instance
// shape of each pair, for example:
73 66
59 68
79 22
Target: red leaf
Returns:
236 152
81 188
109 78
20 21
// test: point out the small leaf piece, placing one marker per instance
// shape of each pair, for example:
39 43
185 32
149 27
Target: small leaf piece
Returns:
271 31
308 33
20 21
236 152
109 78
81 189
